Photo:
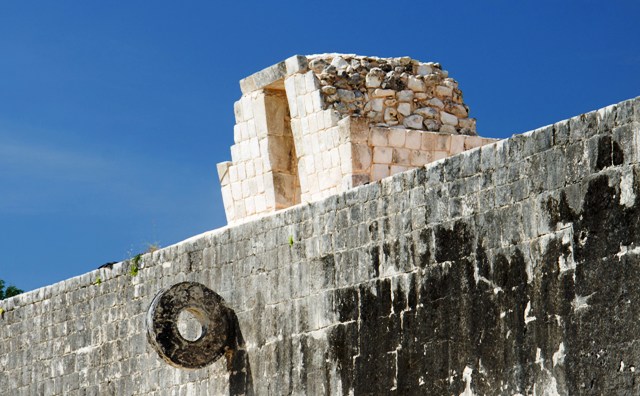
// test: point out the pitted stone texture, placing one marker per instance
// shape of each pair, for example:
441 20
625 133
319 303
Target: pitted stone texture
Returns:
207 308
509 269
416 85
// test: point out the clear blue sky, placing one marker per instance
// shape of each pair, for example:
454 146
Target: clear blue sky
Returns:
113 115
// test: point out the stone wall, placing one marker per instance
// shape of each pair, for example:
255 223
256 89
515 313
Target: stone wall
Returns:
293 135
513 268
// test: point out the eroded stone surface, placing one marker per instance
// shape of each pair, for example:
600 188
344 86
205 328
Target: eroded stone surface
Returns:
509 269
163 333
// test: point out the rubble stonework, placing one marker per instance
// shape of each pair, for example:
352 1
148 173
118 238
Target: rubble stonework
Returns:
513 268
311 127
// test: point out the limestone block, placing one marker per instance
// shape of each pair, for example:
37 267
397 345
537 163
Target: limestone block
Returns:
405 109
326 159
346 95
253 148
413 140
377 104
249 204
339 63
416 84
374 78
223 172
448 129
457 144
237 132
260 203
264 148
308 104
427 112
423 69
235 153
300 82
250 169
296 64
405 95
419 158
383 93
331 118
457 110
239 210
438 155
379 172
324 180
318 65
436 142
247 107
236 190
390 115
251 128
382 155
413 121
472 142
311 82
280 153
359 130
233 173
469 123
246 190
361 157
394 169
260 183
397 137
312 122
237 111
316 100
401 156
448 119
443 91
379 137
432 125
435 102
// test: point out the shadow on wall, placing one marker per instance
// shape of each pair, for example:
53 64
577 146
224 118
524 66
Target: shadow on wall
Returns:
190 327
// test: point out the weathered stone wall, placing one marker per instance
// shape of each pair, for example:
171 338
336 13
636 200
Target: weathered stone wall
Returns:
509 269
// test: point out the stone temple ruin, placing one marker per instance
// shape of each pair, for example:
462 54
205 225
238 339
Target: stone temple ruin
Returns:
311 127
420 260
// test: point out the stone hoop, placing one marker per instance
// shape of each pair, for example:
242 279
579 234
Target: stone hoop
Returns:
207 308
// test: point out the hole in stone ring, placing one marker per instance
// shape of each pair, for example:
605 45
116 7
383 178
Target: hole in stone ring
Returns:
191 324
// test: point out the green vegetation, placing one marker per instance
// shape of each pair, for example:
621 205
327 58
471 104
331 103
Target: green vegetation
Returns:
97 281
10 291
133 270
290 240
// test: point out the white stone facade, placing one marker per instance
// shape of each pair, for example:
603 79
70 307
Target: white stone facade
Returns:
311 127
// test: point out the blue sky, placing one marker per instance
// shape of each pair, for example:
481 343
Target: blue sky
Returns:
113 115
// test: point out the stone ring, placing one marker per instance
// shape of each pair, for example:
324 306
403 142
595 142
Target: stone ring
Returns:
213 317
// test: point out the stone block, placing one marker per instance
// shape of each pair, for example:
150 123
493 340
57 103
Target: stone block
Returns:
397 137
382 155
237 111
448 119
397 169
419 158
296 64
361 154
379 171
401 156
413 140
435 142
223 172
457 144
